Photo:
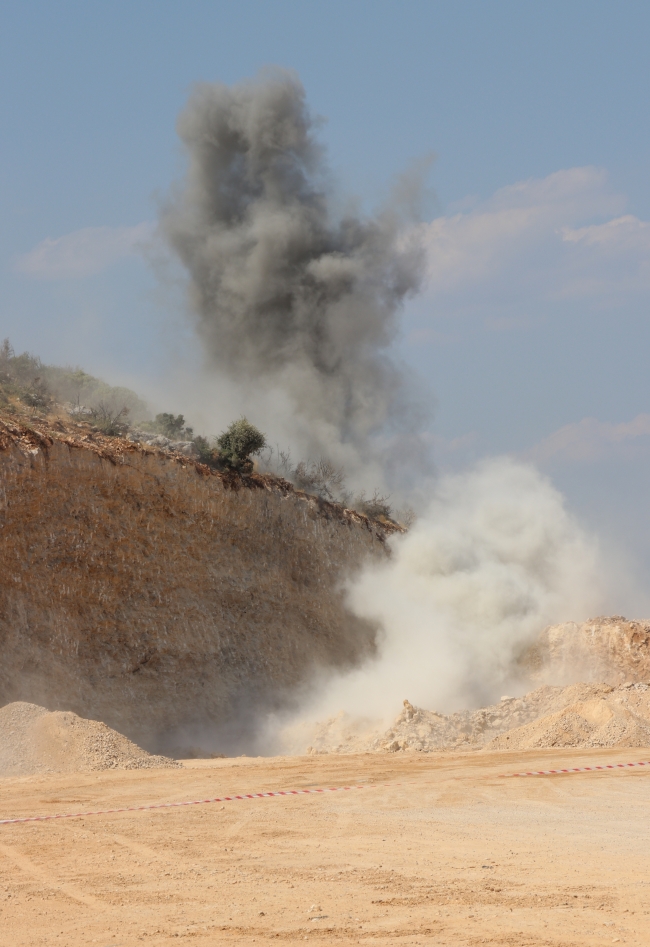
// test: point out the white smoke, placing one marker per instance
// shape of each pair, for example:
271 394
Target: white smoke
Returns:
297 305
494 559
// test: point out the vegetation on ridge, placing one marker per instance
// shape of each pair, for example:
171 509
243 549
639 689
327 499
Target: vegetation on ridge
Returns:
25 379
238 443
29 386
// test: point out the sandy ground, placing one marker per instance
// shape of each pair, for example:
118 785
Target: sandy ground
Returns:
435 850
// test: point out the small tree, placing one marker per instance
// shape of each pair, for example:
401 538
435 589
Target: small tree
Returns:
406 516
109 420
320 477
37 395
238 443
207 453
169 425
6 353
375 507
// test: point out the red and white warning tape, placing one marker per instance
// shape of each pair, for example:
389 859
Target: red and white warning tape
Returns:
285 792
579 769
174 805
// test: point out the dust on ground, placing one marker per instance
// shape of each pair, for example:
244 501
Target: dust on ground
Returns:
580 715
436 849
35 740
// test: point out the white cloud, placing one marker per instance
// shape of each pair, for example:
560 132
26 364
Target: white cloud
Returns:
625 234
83 252
543 239
591 440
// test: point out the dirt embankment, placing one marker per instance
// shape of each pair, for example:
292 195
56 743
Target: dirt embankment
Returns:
140 588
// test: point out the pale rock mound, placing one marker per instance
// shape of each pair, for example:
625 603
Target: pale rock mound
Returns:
578 715
34 740
620 717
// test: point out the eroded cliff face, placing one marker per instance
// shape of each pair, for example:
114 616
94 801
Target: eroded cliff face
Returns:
609 649
144 590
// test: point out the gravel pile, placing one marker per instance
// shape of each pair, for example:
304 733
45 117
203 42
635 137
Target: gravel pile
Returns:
618 718
578 715
35 740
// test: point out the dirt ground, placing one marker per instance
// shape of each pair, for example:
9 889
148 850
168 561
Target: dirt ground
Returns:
435 850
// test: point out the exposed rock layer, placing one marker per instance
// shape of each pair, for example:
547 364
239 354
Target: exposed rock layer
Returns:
602 649
142 589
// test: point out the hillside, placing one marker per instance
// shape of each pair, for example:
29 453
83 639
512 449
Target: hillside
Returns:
165 598
180 602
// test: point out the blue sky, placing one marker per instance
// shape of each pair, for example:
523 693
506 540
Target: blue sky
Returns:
532 331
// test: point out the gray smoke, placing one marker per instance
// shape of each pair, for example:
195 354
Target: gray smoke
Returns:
293 296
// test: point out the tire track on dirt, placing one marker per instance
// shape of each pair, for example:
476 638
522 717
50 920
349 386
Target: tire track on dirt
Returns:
45 877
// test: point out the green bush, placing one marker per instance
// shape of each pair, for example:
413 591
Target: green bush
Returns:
38 385
238 443
169 425
207 453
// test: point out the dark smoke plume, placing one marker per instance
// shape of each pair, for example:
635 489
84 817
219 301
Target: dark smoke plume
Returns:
291 295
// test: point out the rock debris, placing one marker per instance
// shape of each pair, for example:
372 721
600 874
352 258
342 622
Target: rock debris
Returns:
34 740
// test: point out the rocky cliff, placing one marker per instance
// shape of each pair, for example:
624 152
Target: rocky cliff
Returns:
609 649
145 590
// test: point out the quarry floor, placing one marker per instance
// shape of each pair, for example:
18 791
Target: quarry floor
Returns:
435 850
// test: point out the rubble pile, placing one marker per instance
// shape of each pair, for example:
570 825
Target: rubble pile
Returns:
618 717
588 714
33 740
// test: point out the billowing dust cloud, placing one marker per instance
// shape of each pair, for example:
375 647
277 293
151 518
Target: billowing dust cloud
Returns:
494 559
296 301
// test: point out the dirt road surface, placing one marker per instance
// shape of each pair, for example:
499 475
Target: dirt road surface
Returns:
434 850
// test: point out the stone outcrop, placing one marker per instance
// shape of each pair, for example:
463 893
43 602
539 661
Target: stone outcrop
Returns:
612 649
